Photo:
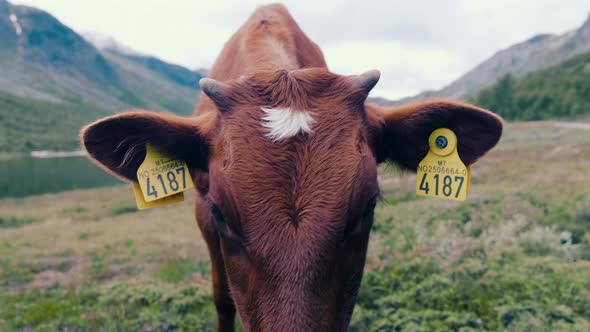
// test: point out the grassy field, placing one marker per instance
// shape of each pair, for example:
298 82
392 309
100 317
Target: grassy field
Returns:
515 256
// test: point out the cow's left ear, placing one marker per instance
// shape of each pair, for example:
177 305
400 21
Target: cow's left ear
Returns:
401 133
117 143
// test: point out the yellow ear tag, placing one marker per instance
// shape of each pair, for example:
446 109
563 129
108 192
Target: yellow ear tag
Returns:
162 180
442 173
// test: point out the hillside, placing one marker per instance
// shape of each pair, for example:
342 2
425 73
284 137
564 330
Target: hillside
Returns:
558 91
46 65
29 124
157 87
536 53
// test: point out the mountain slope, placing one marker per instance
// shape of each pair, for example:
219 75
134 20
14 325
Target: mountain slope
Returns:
8 36
52 62
158 89
557 91
29 124
47 66
536 53
47 42
172 72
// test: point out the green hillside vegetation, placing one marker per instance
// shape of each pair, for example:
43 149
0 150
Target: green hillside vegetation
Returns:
28 124
558 91
43 109
155 89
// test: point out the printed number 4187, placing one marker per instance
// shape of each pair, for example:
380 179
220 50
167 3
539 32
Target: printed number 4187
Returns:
447 185
171 181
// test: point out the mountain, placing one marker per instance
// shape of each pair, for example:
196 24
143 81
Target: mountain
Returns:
106 42
46 66
175 73
558 91
8 35
536 53
172 72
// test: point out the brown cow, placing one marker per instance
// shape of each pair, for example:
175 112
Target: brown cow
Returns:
284 156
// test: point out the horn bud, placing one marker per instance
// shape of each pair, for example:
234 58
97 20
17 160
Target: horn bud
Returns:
368 80
219 92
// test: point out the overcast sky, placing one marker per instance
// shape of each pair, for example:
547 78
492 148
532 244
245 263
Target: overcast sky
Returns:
417 44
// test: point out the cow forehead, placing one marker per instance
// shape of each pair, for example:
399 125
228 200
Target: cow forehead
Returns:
294 156
272 131
275 148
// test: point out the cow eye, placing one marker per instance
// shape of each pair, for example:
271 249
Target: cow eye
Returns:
222 227
219 222
370 209
216 212
362 225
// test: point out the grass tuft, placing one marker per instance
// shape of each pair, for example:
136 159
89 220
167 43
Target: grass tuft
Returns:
124 209
180 270
14 222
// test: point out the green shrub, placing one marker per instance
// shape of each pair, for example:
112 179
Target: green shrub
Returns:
97 271
65 253
558 91
120 308
418 294
124 209
13 222
583 214
132 270
76 209
180 270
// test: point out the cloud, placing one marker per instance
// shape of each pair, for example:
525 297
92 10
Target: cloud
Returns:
417 45
404 70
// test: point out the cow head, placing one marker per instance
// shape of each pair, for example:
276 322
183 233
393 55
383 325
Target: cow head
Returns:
287 164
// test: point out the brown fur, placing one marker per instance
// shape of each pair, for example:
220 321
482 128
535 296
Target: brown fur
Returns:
287 223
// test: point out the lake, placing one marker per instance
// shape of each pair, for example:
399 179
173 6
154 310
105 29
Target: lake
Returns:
25 176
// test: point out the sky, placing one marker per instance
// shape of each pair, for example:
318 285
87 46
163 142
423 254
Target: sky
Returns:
416 44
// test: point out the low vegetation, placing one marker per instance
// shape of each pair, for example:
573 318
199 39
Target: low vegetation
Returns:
28 124
12 221
154 307
514 257
559 91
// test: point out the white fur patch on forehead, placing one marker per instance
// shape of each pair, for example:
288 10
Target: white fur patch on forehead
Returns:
285 123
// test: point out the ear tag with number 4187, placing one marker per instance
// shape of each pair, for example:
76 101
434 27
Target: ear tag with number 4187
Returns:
161 180
442 173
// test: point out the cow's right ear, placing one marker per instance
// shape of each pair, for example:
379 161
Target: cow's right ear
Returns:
117 143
